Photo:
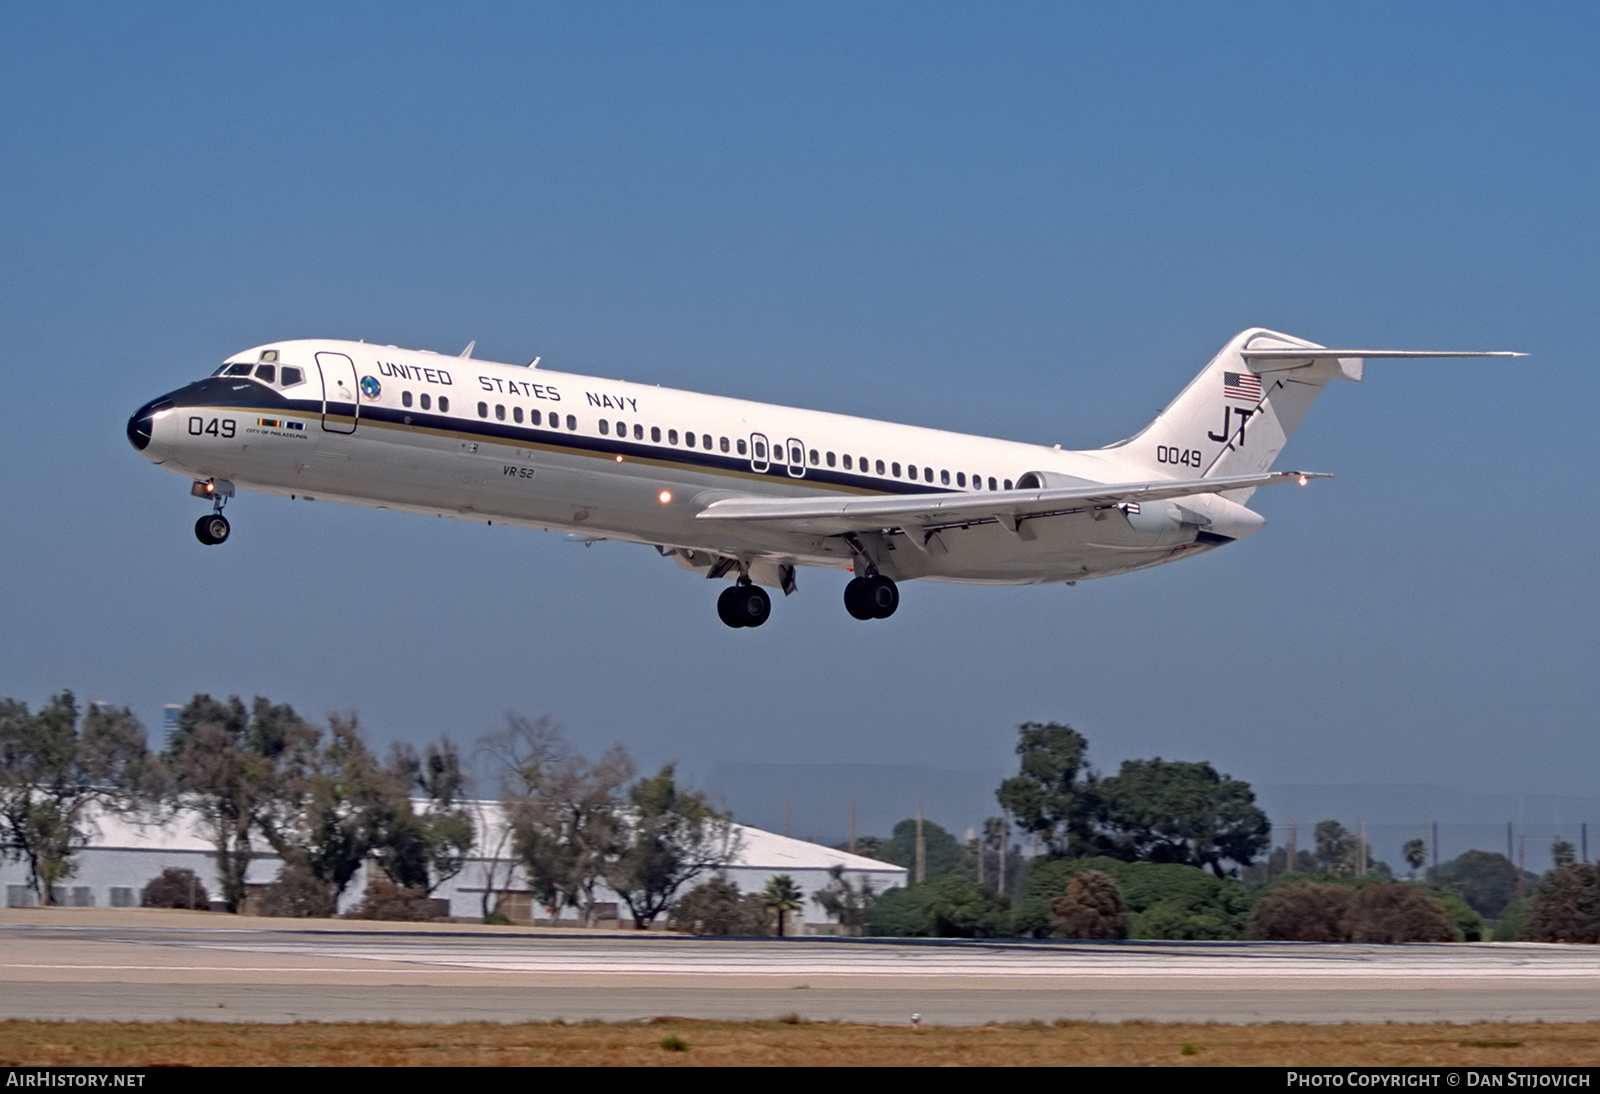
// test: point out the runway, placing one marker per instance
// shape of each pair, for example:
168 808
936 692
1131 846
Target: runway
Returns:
120 966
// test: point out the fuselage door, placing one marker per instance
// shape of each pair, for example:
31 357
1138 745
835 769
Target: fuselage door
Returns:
797 459
341 404
758 453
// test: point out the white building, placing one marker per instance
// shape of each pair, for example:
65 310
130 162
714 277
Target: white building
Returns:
114 869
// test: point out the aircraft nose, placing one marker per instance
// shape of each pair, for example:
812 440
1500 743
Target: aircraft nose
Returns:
143 421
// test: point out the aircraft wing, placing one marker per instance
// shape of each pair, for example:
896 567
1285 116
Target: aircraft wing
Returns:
930 512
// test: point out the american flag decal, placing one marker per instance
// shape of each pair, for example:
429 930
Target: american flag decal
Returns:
1245 386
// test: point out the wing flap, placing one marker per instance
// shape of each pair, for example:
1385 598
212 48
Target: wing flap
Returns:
836 516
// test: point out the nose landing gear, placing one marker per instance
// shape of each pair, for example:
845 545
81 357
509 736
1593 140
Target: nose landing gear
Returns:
213 528
744 604
873 597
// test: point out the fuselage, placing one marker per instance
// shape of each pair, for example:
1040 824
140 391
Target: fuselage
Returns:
428 433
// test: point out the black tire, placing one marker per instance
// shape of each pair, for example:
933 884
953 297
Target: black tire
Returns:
855 599
752 605
883 596
727 606
212 529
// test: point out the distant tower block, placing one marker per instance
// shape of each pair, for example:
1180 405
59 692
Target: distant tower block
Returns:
169 722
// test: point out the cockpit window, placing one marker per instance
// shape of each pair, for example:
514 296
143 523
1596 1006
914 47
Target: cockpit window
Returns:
237 370
267 374
292 376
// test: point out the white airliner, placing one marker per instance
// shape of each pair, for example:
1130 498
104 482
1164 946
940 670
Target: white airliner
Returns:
737 490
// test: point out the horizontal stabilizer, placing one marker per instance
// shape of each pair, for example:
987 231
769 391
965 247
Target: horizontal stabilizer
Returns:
836 516
1319 353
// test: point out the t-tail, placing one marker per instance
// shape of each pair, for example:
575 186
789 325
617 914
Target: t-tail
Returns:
1236 416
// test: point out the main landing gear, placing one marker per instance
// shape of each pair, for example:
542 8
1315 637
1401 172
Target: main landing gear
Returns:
744 604
873 597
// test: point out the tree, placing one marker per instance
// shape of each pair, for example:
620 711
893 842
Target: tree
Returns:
669 837
1054 795
942 852
1306 911
1415 853
1172 811
333 805
564 813
230 766
1388 911
424 850
941 907
1565 907
175 887
56 773
1092 907
782 896
1562 853
849 904
717 907
1486 880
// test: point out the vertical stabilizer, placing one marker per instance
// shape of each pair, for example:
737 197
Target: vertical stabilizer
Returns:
1236 416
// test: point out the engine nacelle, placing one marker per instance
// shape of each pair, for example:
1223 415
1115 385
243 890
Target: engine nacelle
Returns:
1209 518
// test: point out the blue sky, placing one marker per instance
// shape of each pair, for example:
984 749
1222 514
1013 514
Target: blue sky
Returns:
1030 221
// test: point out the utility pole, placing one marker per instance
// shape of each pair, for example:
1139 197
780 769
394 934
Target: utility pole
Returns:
922 849
1522 862
1292 849
1361 848
1005 841
852 826
1508 841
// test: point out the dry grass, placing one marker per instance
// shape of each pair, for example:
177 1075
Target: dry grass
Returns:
788 1043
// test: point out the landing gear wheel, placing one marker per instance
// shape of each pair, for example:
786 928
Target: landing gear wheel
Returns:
744 606
212 529
855 599
882 596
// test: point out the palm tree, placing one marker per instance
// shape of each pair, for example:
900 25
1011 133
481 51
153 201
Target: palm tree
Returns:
781 895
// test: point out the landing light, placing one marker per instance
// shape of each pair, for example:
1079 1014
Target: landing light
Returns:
666 496
619 457
1304 480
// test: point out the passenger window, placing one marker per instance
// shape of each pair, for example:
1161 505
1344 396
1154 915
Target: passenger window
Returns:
555 421
944 478
267 374
880 468
638 432
405 398
830 459
991 482
724 444
655 433
605 427
483 410
927 474
814 458
796 456
516 414
961 478
896 469
427 401
672 436
688 439
444 404
500 412
740 445
847 461
622 429
1008 484
911 471
761 451
534 417
291 376
572 421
